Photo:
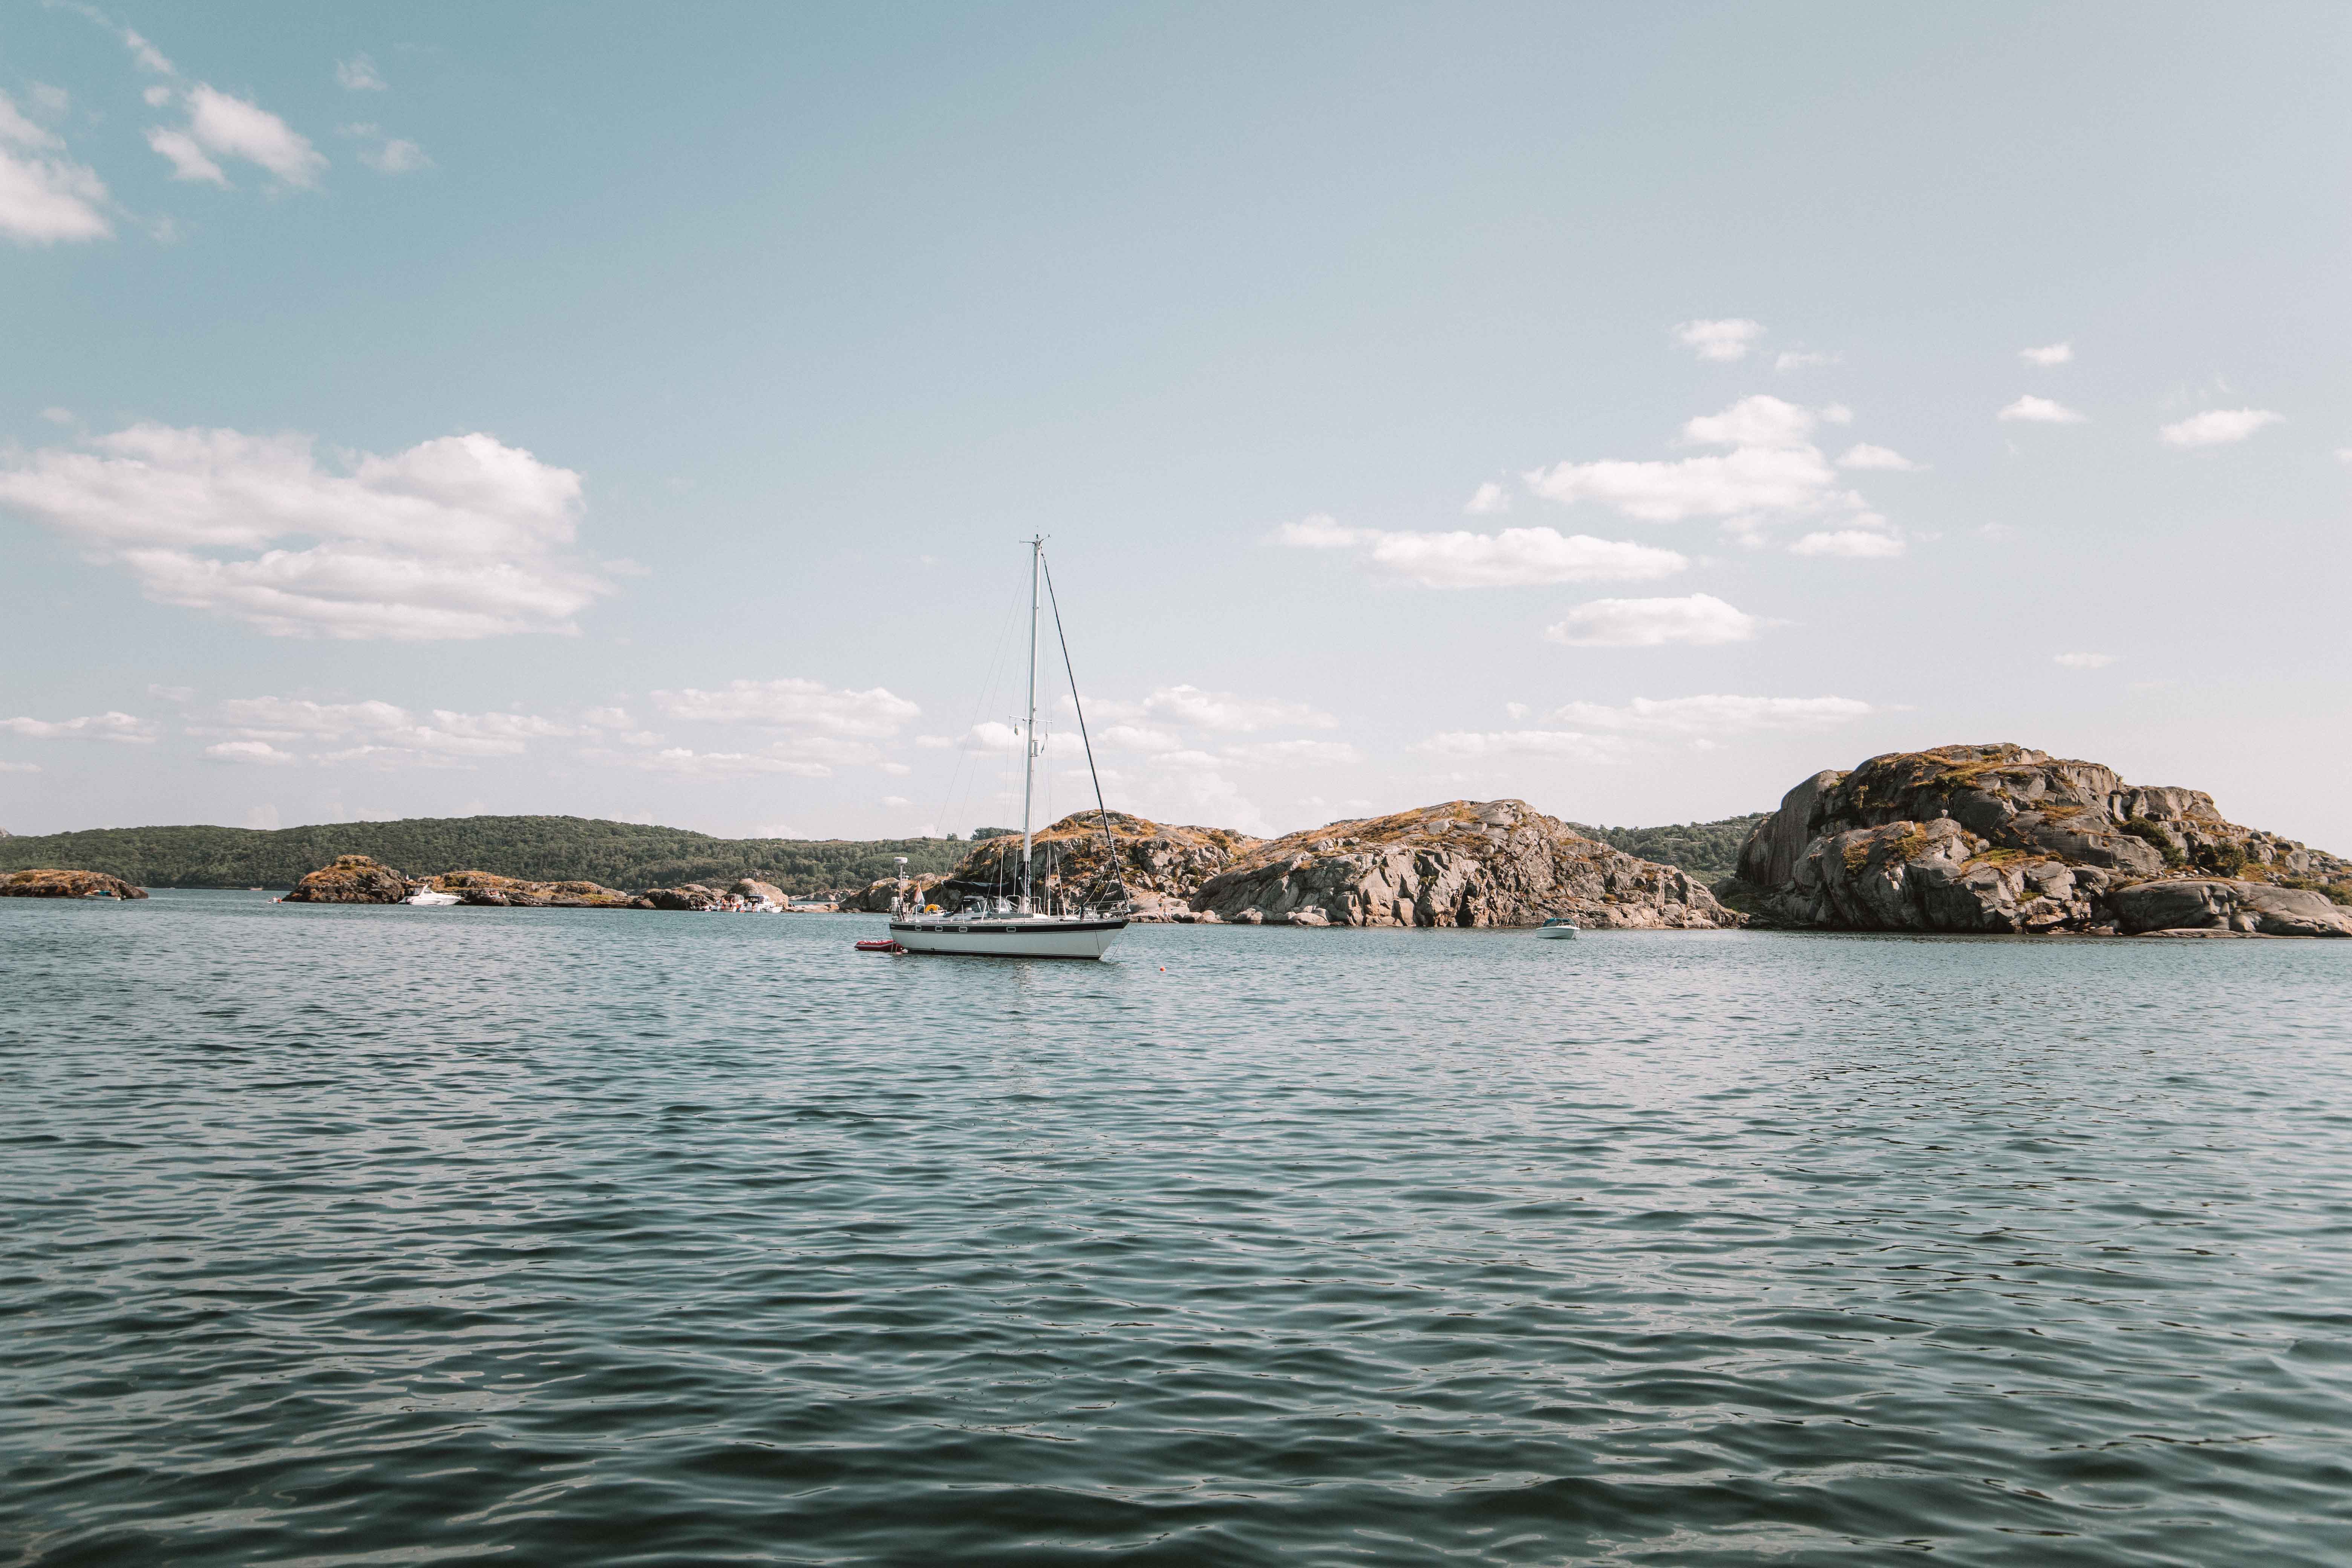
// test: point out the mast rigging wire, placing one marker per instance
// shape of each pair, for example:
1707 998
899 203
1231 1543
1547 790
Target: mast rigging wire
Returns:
1102 812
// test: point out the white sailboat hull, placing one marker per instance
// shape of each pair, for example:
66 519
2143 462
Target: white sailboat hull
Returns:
1009 938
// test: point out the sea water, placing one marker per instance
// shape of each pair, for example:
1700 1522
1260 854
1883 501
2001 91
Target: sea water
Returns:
373 1235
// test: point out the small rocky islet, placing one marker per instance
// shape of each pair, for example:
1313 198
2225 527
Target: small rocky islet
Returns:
53 884
362 879
1987 839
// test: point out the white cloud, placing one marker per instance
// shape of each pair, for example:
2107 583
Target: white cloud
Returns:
1772 468
804 704
1869 457
2048 354
1295 753
188 161
107 726
45 196
1759 421
992 735
1488 500
234 127
830 750
1794 359
1479 745
1680 717
1701 721
607 718
2218 427
396 156
1725 340
1852 543
2040 411
1227 713
387 154
263 817
685 764
1516 710
387 735
1138 738
19 131
894 770
1514 557
2083 660
458 537
283 718
20 767
896 800
149 58
1186 794
253 751
358 74
1700 620
507 730
1320 531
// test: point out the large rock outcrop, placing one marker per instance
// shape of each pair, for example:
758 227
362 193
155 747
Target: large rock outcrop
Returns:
65 885
1160 865
351 880
692 896
1465 863
489 888
2002 838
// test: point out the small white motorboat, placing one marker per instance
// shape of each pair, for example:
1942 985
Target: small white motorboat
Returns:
1558 927
429 897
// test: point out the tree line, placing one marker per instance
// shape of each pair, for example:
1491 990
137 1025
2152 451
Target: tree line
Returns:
624 855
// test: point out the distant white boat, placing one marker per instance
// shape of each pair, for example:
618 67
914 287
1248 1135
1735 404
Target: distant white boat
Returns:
1558 928
1004 928
432 898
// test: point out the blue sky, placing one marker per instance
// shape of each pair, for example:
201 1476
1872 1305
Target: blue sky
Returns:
426 409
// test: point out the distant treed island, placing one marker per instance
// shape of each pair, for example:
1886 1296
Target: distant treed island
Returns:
617 854
537 848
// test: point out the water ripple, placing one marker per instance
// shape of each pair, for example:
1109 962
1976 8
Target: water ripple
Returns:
358 1236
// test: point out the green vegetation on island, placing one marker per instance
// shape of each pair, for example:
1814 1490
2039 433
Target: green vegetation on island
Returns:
1708 850
538 848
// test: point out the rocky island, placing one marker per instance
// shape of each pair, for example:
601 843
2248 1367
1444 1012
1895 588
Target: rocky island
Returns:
362 879
1160 865
55 884
1462 863
2002 838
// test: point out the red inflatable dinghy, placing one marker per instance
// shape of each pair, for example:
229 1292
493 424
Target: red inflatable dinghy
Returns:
879 944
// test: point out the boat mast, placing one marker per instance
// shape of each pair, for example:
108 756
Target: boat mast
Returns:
1029 736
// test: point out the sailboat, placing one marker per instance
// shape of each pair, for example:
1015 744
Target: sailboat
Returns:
1000 927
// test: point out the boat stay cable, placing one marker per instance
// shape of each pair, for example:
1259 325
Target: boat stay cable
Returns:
1102 812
